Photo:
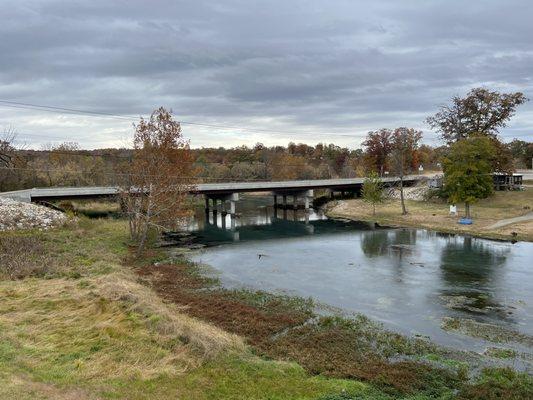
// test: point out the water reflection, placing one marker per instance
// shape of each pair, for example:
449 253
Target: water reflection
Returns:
409 279
376 243
258 219
470 271
470 262
388 243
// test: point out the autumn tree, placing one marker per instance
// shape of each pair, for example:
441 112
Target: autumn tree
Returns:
467 170
404 143
372 191
287 167
502 160
482 112
161 175
378 146
522 153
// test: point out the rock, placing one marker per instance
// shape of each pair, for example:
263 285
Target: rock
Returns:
18 215
417 193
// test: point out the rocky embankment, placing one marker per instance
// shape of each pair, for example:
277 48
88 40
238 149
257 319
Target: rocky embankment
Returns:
16 215
419 192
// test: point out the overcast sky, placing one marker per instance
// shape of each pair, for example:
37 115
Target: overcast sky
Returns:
308 71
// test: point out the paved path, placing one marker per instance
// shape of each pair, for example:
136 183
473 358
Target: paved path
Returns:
509 221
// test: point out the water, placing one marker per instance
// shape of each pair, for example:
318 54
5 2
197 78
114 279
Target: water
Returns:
409 279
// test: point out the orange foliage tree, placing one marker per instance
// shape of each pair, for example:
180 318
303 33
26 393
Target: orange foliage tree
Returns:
160 176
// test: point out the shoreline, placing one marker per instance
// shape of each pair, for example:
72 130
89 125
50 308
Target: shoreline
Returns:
341 210
396 224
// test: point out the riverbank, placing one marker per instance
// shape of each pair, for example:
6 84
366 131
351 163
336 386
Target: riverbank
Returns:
327 343
434 214
76 323
94 323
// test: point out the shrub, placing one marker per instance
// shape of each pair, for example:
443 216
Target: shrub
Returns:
22 256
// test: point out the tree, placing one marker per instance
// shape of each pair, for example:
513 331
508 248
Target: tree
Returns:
7 149
502 160
467 171
404 143
522 153
372 190
481 111
378 146
161 174
287 167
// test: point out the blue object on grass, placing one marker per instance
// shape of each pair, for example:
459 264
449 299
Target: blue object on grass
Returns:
465 221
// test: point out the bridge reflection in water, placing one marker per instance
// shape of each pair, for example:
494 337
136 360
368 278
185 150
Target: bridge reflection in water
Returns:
259 219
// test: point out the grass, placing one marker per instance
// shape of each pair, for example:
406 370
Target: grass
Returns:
92 208
491 332
96 325
434 214
287 328
499 383
88 329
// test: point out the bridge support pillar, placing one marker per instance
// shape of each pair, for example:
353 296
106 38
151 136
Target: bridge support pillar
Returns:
301 198
232 198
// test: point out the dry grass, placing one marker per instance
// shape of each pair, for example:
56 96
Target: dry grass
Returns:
101 206
104 328
22 256
100 326
91 330
435 215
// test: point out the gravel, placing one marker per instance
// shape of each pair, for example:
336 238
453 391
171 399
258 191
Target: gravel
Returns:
16 215
417 193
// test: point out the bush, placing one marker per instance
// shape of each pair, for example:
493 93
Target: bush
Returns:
22 256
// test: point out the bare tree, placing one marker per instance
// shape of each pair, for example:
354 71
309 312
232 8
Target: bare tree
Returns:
7 149
10 164
161 175
403 156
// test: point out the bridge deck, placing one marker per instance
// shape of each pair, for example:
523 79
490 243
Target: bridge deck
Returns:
57 193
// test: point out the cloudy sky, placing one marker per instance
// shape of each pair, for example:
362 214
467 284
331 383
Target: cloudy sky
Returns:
279 70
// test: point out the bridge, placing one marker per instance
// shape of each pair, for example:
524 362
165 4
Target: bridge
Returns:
217 195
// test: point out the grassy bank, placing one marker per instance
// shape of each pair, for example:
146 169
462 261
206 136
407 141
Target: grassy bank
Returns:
80 320
75 323
434 214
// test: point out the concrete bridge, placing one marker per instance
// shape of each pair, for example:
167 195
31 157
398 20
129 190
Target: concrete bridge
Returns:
217 195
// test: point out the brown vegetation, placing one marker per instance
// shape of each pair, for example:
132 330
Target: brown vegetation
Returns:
159 178
23 256
289 331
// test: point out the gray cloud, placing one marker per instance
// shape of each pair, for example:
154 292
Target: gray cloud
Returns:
307 68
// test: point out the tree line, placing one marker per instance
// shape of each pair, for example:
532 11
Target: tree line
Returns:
67 164
157 172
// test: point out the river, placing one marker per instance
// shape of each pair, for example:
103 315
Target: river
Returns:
408 279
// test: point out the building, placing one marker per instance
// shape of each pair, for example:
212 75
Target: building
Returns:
504 181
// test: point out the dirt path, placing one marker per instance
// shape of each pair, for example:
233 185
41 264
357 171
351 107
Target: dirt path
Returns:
509 221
